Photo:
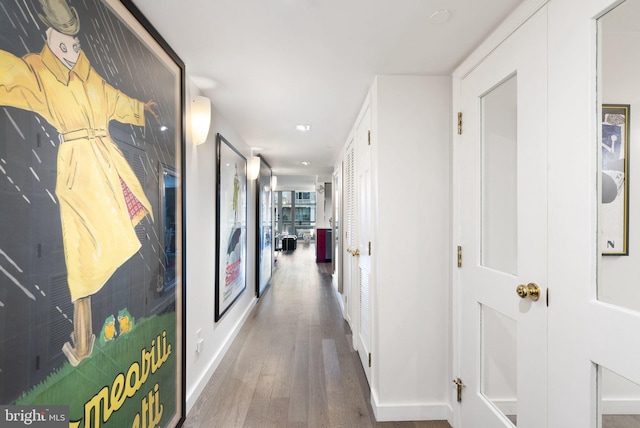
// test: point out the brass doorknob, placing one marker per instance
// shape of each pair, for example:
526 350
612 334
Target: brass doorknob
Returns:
355 252
531 290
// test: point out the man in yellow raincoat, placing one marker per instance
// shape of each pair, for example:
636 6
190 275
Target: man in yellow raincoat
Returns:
101 199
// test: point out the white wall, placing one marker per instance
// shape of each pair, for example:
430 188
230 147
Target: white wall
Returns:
201 199
411 156
324 205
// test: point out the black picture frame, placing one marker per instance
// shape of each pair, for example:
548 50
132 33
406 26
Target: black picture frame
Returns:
614 208
134 108
231 226
264 228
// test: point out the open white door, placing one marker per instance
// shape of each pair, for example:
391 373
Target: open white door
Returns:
613 314
502 209
336 245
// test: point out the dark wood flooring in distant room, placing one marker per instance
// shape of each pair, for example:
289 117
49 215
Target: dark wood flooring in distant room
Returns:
292 364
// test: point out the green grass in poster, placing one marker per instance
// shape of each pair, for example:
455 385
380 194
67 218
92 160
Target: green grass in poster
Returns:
75 386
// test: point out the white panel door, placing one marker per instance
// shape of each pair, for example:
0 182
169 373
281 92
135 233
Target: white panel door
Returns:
502 204
613 316
362 250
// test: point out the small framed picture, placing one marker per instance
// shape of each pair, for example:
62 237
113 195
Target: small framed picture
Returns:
614 210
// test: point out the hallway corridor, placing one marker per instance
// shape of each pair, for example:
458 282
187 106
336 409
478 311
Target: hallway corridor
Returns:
292 364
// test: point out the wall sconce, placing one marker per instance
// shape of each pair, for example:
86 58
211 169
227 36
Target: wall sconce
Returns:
274 182
200 119
253 167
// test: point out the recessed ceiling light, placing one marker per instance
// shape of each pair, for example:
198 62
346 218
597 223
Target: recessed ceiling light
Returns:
305 163
303 128
440 16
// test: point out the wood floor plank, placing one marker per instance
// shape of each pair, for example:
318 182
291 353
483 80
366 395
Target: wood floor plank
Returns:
357 409
299 395
272 358
282 386
277 416
259 406
620 421
332 373
318 402
333 378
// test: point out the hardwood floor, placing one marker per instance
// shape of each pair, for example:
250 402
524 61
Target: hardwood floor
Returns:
292 364
620 421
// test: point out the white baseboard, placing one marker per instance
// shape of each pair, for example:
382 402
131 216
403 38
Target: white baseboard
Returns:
620 406
194 392
398 412
339 296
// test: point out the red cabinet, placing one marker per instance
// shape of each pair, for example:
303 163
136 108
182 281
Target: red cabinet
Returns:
323 245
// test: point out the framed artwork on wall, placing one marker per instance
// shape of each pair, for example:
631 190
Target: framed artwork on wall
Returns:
614 209
92 258
231 232
264 227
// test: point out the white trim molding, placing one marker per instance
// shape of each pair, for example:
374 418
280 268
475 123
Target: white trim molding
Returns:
434 411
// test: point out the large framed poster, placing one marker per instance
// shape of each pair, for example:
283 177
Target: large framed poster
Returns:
231 244
264 223
91 254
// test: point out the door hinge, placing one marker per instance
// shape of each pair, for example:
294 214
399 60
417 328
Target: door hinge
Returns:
459 123
369 359
368 138
459 256
369 247
459 386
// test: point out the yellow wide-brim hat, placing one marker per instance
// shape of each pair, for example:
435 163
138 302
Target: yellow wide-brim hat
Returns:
60 16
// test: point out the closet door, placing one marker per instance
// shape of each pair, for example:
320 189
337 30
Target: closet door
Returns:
362 250
350 277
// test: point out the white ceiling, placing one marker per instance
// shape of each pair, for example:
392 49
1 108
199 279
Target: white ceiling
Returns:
268 65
